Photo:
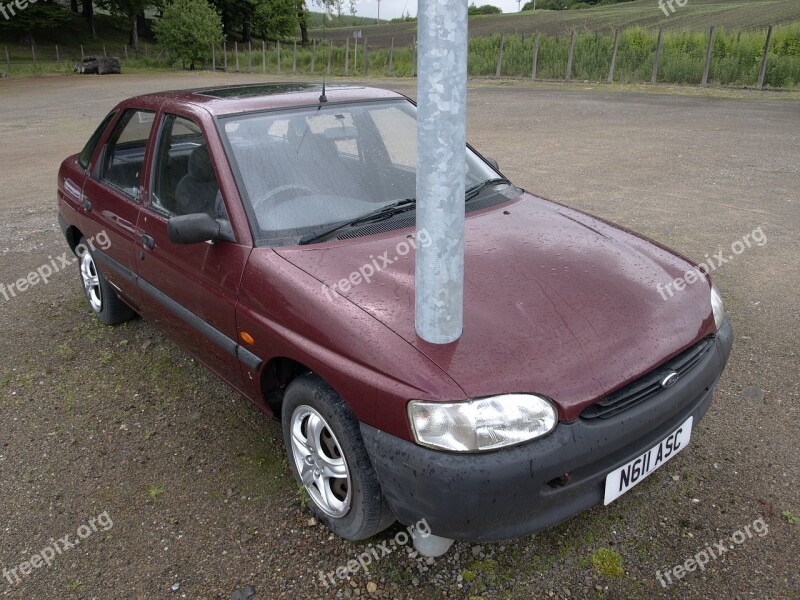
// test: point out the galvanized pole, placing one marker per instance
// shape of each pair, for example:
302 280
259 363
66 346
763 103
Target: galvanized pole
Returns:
441 154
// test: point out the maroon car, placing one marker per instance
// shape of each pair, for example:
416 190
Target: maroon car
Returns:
270 231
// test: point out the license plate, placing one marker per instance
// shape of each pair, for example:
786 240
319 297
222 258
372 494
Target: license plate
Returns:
621 480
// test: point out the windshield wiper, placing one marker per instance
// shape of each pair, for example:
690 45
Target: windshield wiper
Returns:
384 212
477 189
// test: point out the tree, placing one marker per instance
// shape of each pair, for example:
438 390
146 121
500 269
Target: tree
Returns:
132 10
275 18
188 28
486 9
38 18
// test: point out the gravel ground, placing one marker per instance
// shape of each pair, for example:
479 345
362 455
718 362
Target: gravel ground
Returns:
186 484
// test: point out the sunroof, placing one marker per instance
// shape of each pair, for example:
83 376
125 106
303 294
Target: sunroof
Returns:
253 91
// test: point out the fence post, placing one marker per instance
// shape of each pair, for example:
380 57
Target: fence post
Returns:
657 60
500 56
279 56
613 56
236 51
414 57
105 54
391 58
294 59
213 58
570 57
366 59
33 50
225 56
535 56
355 57
263 56
250 57
126 51
58 58
346 56
709 52
313 55
8 60
82 53
762 73
330 56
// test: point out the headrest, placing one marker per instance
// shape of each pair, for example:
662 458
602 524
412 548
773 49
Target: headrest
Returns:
200 167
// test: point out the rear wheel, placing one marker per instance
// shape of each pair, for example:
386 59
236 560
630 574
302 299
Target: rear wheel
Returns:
328 458
100 296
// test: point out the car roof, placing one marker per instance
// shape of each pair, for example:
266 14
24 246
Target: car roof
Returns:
226 100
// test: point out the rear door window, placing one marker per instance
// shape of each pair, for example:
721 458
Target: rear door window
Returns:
88 150
123 159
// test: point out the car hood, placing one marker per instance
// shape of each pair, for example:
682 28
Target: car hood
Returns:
557 302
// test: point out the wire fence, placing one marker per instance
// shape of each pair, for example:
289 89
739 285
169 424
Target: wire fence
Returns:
769 58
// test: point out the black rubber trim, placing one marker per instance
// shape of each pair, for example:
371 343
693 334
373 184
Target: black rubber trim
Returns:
249 359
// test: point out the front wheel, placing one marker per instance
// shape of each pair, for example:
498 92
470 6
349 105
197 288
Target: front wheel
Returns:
328 458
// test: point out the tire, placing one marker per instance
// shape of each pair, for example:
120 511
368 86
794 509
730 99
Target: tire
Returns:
101 297
321 433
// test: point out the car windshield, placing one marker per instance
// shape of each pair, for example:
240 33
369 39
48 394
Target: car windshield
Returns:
305 170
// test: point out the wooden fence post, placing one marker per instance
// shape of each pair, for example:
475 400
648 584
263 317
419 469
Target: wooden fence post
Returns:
8 60
500 56
279 56
213 58
535 56
330 56
105 54
709 53
762 72
250 57
391 57
613 56
355 57
570 57
313 55
236 51
33 51
366 59
225 53
263 56
58 58
347 57
657 59
414 57
294 59
126 51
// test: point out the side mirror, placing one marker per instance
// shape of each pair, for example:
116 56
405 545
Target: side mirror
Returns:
493 162
193 229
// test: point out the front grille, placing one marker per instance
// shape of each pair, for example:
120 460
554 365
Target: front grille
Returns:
649 385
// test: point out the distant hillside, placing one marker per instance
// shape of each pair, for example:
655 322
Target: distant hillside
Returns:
322 21
696 15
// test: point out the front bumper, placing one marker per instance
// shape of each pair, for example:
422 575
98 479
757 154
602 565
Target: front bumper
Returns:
517 491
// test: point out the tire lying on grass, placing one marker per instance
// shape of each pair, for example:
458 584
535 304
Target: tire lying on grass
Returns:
328 458
99 294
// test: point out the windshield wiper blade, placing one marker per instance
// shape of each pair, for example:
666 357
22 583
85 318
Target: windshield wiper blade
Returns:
384 212
477 189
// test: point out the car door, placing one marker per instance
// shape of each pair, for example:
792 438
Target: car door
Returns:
190 291
111 197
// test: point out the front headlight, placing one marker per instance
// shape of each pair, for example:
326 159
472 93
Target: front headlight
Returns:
482 424
716 307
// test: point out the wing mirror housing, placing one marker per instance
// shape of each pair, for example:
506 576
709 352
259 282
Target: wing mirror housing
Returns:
196 228
493 163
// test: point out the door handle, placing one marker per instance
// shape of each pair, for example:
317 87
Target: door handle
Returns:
87 204
148 241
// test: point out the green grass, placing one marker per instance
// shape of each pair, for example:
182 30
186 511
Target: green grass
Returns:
608 563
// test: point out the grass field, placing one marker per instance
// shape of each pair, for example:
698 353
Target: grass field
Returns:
697 15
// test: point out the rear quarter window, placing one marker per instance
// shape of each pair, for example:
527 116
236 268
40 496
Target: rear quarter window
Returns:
88 150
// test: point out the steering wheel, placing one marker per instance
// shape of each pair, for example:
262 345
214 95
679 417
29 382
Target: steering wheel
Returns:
295 187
